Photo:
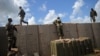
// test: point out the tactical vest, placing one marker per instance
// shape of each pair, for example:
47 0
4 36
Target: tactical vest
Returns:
10 29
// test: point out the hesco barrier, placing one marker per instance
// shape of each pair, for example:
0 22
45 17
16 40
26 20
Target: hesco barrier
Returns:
71 47
35 39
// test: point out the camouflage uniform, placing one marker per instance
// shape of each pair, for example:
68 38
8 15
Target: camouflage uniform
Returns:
59 27
93 13
10 34
22 15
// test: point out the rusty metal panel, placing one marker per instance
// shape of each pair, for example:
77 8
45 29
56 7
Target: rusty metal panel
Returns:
70 30
3 42
46 34
96 31
32 40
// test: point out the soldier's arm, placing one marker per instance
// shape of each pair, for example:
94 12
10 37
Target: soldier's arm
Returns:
15 28
90 14
19 13
95 13
61 23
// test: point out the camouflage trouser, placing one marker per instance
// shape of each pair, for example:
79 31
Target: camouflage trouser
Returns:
93 18
11 42
60 31
22 19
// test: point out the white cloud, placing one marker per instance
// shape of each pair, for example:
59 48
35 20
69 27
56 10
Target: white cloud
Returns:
43 7
86 19
10 8
31 21
97 8
27 9
22 3
51 16
25 5
78 4
7 8
40 20
76 11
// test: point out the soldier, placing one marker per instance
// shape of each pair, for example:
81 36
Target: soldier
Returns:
59 29
93 13
22 15
10 34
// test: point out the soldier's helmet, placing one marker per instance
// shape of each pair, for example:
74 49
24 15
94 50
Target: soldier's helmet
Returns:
10 19
58 17
92 9
20 7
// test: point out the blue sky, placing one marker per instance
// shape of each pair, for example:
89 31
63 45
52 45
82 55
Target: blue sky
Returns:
46 11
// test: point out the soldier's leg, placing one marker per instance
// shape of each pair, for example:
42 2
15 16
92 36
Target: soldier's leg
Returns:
23 20
93 19
61 32
58 32
9 44
14 42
